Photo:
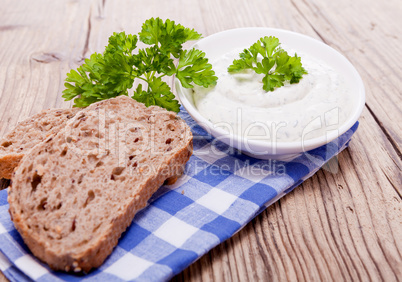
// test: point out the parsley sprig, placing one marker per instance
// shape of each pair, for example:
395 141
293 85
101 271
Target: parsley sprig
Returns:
113 73
276 63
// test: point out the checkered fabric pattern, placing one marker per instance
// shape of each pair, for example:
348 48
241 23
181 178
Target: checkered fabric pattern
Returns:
219 193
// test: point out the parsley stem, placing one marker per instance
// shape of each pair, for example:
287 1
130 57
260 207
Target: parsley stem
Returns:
142 78
152 75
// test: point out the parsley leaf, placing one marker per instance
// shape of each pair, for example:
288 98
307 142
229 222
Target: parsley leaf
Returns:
276 63
194 67
114 72
159 94
167 35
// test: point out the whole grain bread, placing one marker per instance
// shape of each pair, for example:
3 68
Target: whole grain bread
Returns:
75 193
29 133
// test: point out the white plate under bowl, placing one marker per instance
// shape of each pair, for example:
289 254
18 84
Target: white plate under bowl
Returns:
223 42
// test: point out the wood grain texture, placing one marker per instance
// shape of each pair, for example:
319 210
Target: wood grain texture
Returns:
343 224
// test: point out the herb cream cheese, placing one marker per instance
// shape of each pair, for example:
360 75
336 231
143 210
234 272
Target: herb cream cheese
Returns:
319 103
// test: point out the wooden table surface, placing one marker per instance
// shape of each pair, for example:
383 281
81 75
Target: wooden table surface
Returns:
342 224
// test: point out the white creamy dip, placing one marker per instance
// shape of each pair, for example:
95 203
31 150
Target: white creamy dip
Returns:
319 103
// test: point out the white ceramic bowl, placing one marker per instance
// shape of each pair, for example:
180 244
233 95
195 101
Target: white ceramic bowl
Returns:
220 43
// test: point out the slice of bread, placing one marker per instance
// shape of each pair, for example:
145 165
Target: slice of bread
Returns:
75 193
29 133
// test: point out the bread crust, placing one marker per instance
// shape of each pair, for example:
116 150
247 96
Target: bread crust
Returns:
93 254
8 163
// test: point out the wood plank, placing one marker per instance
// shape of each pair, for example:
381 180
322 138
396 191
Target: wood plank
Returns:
370 41
32 72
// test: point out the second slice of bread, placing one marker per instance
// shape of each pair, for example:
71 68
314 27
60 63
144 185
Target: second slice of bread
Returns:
75 193
29 133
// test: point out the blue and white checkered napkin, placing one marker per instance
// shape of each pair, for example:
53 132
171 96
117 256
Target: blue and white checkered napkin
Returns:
220 192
